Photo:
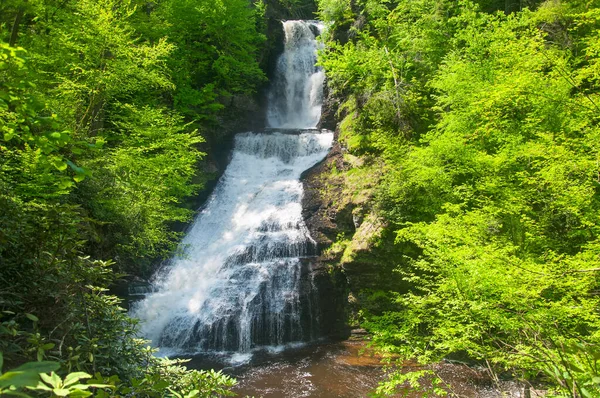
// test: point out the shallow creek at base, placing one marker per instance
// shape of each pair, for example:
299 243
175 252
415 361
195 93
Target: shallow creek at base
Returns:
332 370
314 370
345 369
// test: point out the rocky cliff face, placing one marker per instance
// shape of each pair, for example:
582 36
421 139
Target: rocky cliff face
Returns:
356 247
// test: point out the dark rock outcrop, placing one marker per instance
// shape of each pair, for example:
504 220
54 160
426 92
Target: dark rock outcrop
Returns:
328 111
320 214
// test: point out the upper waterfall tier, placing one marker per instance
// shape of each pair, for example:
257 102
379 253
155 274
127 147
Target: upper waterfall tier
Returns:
296 93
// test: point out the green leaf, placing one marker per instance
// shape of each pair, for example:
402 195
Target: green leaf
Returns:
32 317
19 379
16 394
61 392
94 385
75 168
80 386
161 384
1 362
41 386
65 184
39 367
73 378
59 164
9 134
80 393
46 378
53 379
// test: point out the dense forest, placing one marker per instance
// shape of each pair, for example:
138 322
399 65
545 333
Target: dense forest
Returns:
104 106
469 167
470 146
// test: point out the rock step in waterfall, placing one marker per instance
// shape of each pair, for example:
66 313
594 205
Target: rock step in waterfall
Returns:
244 278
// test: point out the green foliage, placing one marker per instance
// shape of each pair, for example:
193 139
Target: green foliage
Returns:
491 181
97 77
163 378
384 69
407 382
27 376
296 9
335 11
69 387
102 106
112 349
217 46
34 148
171 376
137 185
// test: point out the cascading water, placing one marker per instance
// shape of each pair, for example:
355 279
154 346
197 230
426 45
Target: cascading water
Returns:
297 94
243 280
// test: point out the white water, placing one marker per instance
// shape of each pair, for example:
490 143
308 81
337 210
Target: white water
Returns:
242 282
297 93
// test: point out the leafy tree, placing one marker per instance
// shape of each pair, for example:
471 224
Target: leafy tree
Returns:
217 46
102 106
494 195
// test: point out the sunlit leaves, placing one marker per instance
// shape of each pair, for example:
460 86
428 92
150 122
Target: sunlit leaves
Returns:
93 148
141 182
217 45
496 202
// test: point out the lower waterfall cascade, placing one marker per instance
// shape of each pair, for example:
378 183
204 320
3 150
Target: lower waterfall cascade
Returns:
243 280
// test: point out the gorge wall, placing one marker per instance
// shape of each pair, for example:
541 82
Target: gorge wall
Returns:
356 245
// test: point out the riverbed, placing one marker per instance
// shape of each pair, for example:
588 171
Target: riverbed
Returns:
347 369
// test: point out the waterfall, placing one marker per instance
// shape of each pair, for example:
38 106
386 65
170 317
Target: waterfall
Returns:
243 278
296 95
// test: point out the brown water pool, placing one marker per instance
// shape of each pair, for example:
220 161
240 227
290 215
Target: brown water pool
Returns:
342 370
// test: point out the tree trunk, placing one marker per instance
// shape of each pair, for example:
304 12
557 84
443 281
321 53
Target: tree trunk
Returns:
14 34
